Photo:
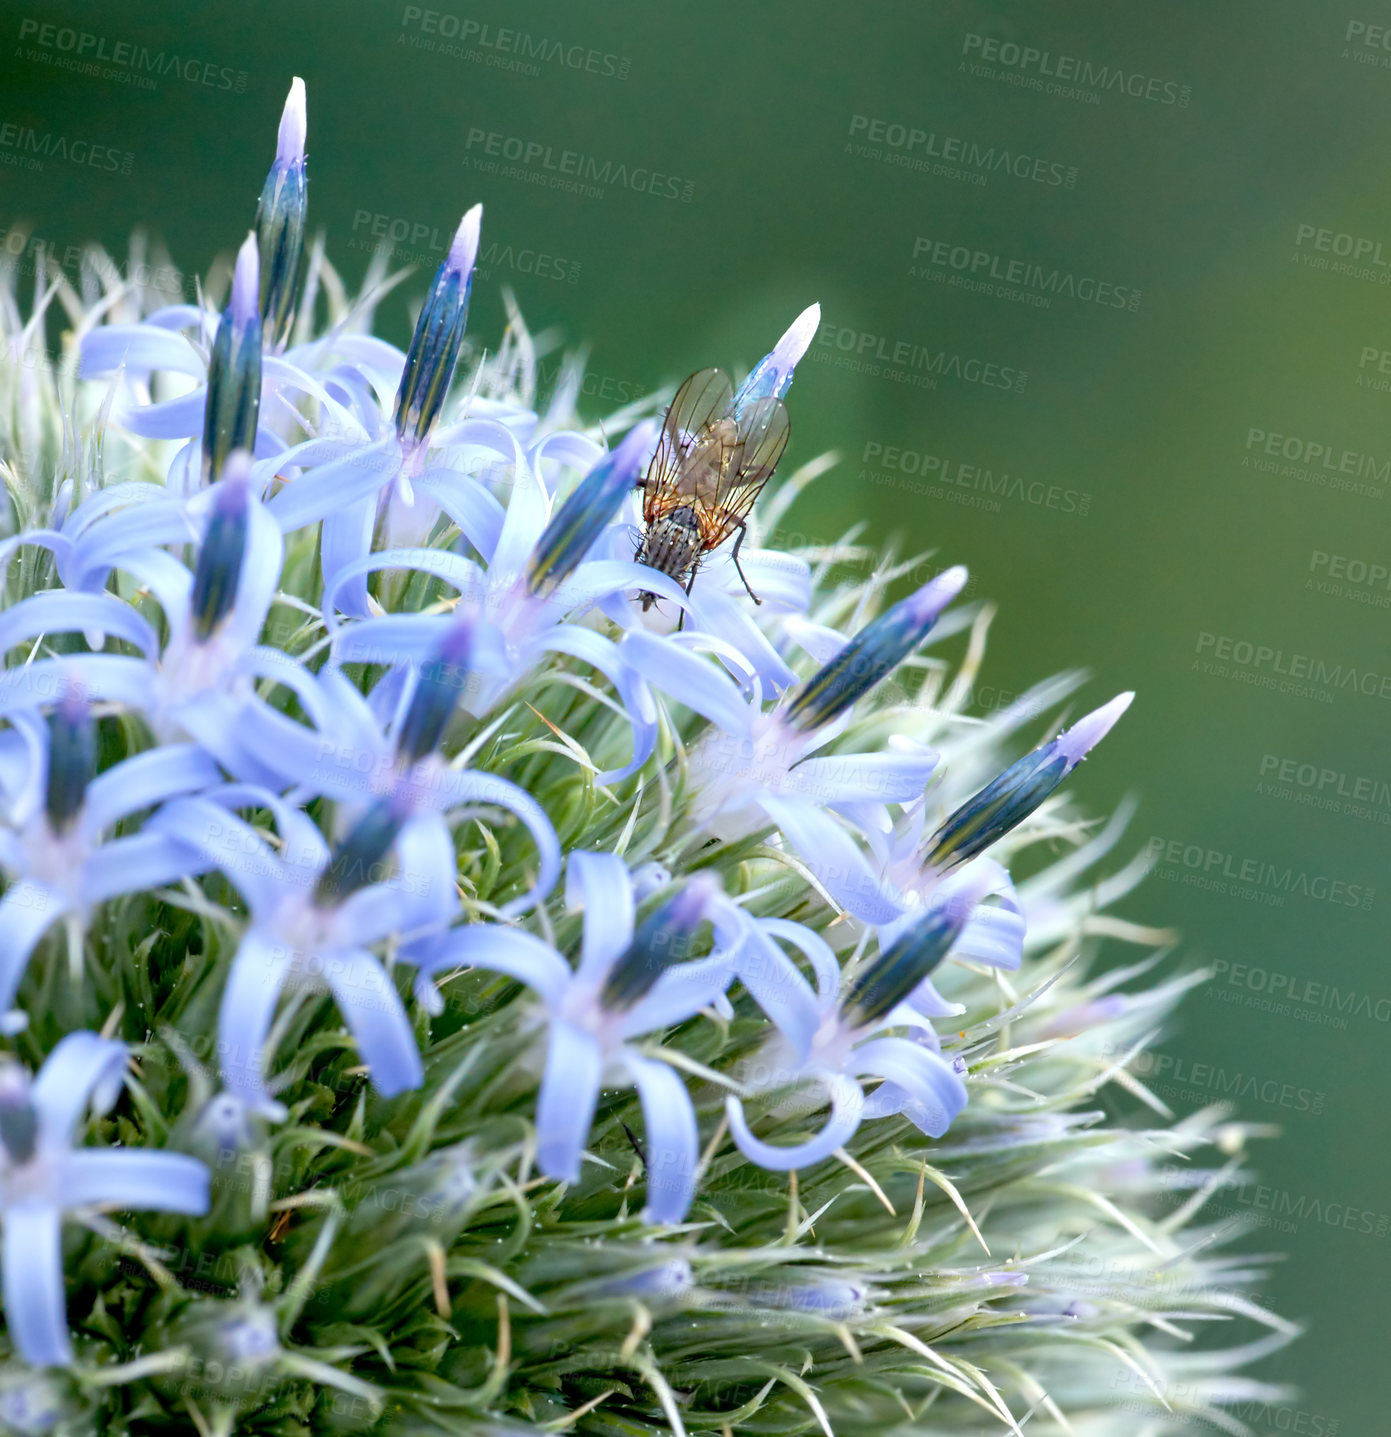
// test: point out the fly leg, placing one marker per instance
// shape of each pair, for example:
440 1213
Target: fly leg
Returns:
690 584
734 554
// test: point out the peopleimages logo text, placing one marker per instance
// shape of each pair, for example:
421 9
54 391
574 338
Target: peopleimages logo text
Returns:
985 265
1247 654
568 169
1065 71
505 43
911 147
80 50
868 353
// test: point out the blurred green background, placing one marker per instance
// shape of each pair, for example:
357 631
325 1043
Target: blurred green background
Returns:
1219 170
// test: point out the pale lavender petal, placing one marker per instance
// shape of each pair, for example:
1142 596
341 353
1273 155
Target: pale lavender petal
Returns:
576 450
249 999
247 737
267 663
569 1096
345 540
141 861
477 513
82 1069
994 935
58 611
502 950
690 679
98 676
778 988
452 568
935 1093
334 486
824 962
679 993
27 911
466 787
228 844
892 777
599 884
180 418
35 1302
144 780
728 618
833 857
639 706
140 349
377 1018
527 506
144 1181
847 1105
671 1139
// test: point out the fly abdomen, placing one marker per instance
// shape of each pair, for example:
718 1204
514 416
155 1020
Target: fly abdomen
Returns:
671 545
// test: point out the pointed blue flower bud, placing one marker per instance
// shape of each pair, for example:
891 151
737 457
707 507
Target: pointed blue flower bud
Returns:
772 375
437 690
880 986
218 574
362 850
876 650
72 759
280 221
234 368
439 332
1020 789
662 938
19 1120
234 1352
37 1402
589 510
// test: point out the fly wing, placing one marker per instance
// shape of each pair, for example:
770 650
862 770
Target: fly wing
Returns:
763 432
690 435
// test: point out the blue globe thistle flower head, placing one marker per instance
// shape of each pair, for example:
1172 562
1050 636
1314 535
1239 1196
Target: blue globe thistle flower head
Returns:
295 753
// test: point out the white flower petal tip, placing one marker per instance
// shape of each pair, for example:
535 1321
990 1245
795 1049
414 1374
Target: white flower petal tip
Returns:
464 249
1089 730
294 126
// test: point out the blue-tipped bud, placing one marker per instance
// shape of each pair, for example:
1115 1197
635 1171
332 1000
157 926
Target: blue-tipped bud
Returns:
662 938
818 1293
772 375
280 221
234 1350
875 651
437 690
19 1120
439 332
589 510
218 574
37 1402
72 759
880 986
359 858
234 368
1020 789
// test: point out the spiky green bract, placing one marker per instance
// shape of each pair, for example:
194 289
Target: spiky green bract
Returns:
399 1267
